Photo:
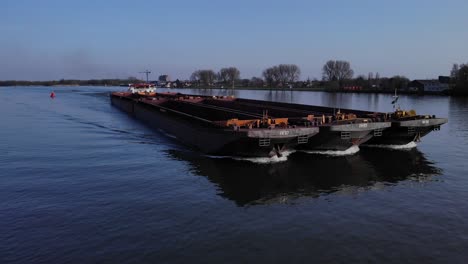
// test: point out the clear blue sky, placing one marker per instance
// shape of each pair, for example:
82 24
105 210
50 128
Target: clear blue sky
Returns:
54 39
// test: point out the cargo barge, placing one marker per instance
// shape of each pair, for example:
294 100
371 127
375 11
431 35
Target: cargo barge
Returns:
338 130
275 128
215 130
406 126
246 127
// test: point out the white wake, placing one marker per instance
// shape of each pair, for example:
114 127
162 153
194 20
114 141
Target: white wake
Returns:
408 146
259 160
351 151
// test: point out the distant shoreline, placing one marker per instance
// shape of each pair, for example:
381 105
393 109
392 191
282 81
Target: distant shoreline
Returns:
315 89
298 89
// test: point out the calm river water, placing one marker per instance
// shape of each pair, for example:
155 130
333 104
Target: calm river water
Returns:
82 182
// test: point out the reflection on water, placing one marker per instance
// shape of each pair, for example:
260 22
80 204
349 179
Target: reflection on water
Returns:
458 112
362 101
303 174
209 92
286 96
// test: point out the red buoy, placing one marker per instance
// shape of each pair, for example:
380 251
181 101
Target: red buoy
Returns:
52 95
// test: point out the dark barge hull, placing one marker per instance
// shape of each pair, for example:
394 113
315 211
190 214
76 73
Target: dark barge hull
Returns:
401 132
405 132
206 138
338 136
336 139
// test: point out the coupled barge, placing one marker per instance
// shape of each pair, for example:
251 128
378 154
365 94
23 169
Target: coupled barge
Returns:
338 131
212 130
406 126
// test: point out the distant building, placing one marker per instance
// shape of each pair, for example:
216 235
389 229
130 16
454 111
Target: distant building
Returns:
428 86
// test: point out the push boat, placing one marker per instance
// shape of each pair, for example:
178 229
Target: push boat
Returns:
142 88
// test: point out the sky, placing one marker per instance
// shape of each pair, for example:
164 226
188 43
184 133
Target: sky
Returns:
82 39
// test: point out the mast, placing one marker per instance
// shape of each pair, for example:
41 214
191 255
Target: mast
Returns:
395 99
146 72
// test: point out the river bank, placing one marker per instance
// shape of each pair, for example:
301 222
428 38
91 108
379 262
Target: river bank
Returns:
312 89
298 89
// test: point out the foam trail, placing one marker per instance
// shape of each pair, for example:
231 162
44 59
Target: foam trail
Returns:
408 146
259 160
351 151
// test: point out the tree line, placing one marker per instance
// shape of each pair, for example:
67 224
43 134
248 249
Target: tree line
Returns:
459 79
281 75
227 76
336 75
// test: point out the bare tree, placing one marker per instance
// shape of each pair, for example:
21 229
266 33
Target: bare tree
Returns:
454 71
271 76
289 73
337 71
204 77
282 74
399 82
459 75
329 71
229 75
463 78
195 76
222 76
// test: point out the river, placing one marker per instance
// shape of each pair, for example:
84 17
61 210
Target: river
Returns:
82 182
